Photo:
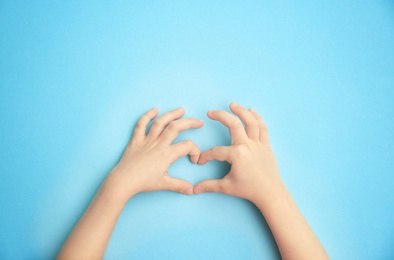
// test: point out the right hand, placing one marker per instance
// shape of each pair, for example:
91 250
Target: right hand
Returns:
254 172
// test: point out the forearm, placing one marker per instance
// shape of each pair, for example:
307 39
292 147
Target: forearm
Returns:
142 168
91 235
294 237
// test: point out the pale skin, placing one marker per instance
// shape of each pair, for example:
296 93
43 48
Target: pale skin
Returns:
254 176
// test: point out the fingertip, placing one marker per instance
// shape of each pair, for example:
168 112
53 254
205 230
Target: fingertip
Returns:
190 191
210 114
154 110
177 185
187 189
197 123
233 105
194 158
201 161
197 189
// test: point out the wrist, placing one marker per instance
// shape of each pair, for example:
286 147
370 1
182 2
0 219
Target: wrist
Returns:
269 193
116 189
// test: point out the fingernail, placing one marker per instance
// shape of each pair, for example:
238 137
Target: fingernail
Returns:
189 191
181 109
252 110
234 104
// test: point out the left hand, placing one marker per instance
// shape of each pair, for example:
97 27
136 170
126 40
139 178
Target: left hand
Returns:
147 157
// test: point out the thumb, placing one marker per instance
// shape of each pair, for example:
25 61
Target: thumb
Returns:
209 186
177 185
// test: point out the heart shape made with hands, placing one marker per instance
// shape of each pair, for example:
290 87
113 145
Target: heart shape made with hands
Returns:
249 150
254 176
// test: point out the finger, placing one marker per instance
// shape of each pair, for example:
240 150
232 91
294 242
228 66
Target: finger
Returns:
177 185
237 130
219 153
262 126
183 148
172 130
140 128
251 124
210 186
162 121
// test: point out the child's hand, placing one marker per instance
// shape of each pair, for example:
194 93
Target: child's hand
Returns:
254 171
144 163
143 167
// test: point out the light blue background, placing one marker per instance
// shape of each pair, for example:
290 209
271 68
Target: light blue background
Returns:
75 77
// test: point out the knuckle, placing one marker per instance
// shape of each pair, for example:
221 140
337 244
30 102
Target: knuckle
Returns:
173 126
133 141
214 150
254 123
188 143
208 188
157 123
140 124
243 113
236 123
168 155
239 152
171 156
182 188
263 127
